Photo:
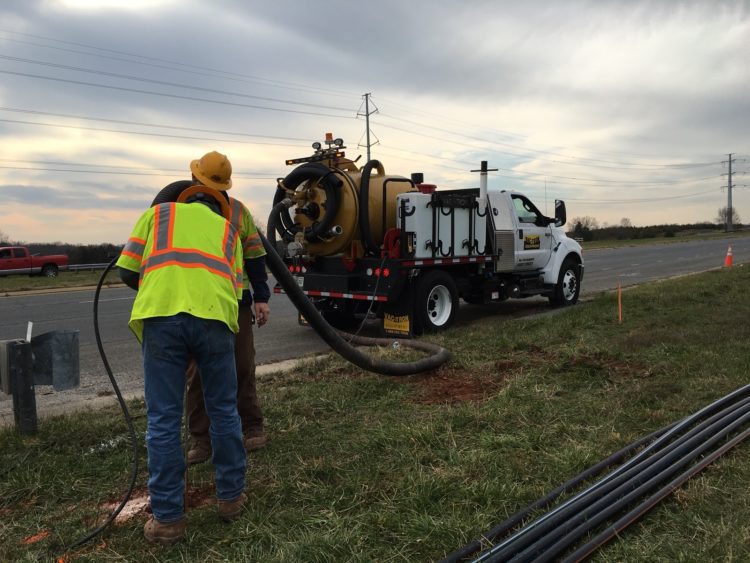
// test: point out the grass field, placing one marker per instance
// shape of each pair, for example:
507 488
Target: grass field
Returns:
77 278
680 236
362 467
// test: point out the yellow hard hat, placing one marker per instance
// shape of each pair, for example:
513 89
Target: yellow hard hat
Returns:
213 170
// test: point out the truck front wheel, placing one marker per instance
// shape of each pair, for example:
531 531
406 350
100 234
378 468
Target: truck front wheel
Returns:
437 302
568 285
49 271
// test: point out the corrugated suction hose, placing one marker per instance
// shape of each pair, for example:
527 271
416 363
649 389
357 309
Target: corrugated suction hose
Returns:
342 342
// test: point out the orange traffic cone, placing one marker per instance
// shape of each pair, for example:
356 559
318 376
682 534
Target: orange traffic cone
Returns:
728 259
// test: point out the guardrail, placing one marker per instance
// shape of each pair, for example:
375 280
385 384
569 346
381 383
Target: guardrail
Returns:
92 267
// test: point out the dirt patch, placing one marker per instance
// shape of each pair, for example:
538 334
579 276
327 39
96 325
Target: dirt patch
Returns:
139 503
613 367
455 385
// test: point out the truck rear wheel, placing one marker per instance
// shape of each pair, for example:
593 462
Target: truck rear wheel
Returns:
568 285
49 271
437 302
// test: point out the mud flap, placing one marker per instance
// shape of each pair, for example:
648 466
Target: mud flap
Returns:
398 315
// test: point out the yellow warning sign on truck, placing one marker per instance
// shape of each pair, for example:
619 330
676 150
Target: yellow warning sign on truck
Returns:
531 242
396 324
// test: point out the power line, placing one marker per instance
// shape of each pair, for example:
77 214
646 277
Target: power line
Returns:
578 180
145 133
120 173
531 153
165 83
172 65
144 124
176 96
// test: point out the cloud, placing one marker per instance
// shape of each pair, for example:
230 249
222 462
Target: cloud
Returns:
596 100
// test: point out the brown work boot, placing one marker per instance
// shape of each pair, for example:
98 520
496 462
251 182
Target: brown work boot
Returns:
199 452
255 440
164 533
230 510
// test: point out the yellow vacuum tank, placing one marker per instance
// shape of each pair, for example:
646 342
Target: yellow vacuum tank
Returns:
352 225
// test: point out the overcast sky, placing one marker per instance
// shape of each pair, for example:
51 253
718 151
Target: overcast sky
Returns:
623 109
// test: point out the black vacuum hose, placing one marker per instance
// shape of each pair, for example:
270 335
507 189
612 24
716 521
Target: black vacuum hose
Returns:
171 192
438 354
325 177
370 246
125 412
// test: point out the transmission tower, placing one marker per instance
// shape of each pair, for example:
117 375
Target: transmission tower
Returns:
367 115
730 211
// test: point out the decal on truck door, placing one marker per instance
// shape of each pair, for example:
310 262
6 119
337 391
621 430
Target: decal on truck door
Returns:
531 242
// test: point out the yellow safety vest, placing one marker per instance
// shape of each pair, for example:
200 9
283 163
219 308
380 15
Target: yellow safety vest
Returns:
252 247
189 260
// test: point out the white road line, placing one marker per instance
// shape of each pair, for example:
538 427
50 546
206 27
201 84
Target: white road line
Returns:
103 300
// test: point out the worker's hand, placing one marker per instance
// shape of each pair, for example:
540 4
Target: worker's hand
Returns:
262 311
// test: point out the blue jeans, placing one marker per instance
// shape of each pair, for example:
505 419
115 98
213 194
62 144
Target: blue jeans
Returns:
168 344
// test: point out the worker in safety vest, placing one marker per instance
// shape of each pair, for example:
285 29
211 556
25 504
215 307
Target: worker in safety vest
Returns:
215 170
185 259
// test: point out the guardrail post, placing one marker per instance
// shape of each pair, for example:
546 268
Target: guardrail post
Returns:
22 386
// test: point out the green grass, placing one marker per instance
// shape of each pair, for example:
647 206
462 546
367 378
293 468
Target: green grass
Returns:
362 467
680 236
76 278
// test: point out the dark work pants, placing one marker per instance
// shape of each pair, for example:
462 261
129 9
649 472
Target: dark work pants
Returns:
248 406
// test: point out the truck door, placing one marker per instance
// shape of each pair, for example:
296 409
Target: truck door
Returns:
534 236
13 261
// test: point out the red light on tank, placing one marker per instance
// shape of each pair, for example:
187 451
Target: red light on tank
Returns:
291 269
386 272
377 272
329 136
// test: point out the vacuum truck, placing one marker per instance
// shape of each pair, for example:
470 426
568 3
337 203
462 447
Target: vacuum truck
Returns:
365 244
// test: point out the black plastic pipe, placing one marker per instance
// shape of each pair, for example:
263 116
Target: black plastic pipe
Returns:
699 444
532 529
588 506
634 515
544 502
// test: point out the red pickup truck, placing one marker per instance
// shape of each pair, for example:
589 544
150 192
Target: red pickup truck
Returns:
17 260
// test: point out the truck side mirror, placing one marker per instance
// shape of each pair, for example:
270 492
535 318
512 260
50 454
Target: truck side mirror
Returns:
561 215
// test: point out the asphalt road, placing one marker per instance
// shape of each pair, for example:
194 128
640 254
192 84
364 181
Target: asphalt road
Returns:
282 338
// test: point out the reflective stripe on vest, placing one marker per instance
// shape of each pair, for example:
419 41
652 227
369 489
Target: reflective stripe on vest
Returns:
134 248
235 220
186 259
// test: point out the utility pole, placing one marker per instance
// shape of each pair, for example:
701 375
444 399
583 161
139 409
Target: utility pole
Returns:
367 115
730 213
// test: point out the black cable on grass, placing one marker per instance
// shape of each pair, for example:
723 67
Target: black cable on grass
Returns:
588 502
609 505
125 412
543 522
544 502
634 515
